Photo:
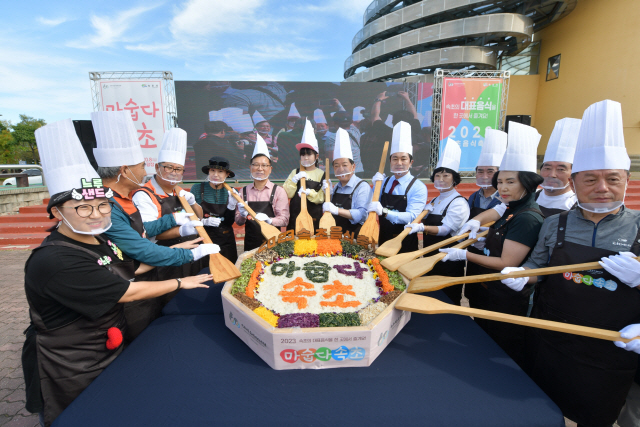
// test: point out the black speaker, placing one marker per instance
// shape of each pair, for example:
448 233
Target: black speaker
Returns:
84 130
525 120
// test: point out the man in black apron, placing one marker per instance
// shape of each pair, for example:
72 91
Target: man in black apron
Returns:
351 195
268 201
493 148
218 206
589 378
402 197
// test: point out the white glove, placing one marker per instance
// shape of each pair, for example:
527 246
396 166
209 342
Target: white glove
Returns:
330 207
181 217
189 228
211 222
429 207
304 191
189 197
375 207
297 176
629 332
479 245
472 226
263 217
378 177
325 184
515 284
232 202
242 210
454 254
204 250
624 266
415 228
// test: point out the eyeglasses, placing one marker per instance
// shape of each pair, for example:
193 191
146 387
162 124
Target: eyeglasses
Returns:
85 211
170 169
258 166
224 165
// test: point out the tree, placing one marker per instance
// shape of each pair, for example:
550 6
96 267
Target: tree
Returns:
7 144
24 137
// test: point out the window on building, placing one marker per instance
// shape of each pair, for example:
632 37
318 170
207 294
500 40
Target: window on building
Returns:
553 68
524 63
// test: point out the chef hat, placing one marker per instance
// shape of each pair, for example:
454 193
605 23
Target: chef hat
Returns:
318 116
342 148
562 144
257 117
242 123
493 148
116 139
174 147
332 113
401 139
451 156
601 139
293 111
215 116
389 121
357 114
260 148
308 138
522 149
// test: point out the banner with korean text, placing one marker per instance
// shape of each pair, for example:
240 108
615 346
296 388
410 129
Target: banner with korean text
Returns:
470 106
143 99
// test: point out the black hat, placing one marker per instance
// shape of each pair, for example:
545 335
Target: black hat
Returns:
341 118
218 162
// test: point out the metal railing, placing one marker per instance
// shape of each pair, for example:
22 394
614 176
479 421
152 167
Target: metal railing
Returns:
26 167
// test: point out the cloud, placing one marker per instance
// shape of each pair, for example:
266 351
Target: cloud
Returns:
110 30
351 10
203 18
51 22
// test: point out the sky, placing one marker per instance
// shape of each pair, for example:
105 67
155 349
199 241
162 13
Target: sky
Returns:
48 48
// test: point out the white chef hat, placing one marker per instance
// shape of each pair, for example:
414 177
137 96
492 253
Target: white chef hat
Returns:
562 144
401 139
116 139
318 116
522 149
450 156
357 114
342 148
260 148
493 148
293 111
242 123
308 138
174 147
389 121
601 139
257 117
215 116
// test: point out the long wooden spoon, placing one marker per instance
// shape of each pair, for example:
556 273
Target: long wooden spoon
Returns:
268 230
426 305
393 246
221 268
371 228
424 265
433 283
395 262
327 220
304 220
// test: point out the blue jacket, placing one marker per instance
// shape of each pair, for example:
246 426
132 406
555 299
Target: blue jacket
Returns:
474 200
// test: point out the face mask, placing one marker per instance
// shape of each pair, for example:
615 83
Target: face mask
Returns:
553 184
309 165
257 179
136 182
170 181
216 182
441 185
343 174
483 182
93 232
600 208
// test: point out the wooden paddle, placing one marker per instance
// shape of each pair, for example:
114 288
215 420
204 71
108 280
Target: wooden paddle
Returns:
426 305
424 265
393 246
433 283
304 220
221 268
268 231
371 228
327 221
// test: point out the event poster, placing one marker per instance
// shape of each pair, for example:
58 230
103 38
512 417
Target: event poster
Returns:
469 108
143 99
221 118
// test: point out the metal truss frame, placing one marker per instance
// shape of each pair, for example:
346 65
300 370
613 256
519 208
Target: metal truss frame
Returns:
439 76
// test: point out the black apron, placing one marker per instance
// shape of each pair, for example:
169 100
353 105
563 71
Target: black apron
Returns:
253 237
587 378
449 268
475 210
315 210
58 364
223 234
388 230
547 212
343 201
135 219
496 296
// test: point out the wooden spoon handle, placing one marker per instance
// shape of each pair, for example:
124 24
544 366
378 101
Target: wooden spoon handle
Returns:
239 199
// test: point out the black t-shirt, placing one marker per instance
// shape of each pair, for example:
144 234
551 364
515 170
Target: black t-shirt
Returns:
65 283
524 227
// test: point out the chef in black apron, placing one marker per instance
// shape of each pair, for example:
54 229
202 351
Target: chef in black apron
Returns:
403 197
268 201
77 324
350 197
447 213
509 242
493 148
308 148
589 378
218 206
